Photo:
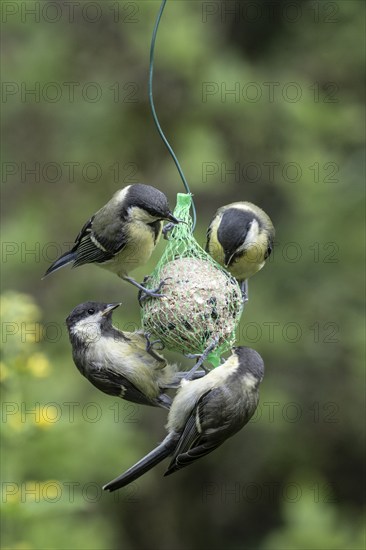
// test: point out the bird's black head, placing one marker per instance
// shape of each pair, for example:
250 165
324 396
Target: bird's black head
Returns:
250 361
234 226
150 200
91 313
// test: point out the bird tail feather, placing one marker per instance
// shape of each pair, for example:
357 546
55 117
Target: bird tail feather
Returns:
65 259
158 454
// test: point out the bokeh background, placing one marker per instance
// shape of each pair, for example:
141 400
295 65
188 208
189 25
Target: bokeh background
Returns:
262 101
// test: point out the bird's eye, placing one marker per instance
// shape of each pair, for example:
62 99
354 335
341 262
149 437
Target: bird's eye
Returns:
91 311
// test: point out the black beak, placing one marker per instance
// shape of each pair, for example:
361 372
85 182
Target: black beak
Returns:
110 307
172 219
228 258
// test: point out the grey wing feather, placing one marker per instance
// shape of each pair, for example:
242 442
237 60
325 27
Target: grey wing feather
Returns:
205 430
113 383
188 438
110 384
109 230
87 252
83 232
190 435
110 237
184 459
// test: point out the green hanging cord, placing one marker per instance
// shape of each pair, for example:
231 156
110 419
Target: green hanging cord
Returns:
155 117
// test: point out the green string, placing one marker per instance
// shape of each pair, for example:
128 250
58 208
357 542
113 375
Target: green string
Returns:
168 322
155 117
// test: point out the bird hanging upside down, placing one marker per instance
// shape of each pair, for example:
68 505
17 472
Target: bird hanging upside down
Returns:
119 363
204 414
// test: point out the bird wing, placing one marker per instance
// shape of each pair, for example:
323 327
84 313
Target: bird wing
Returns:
109 229
86 250
184 459
84 231
193 444
88 253
98 243
113 383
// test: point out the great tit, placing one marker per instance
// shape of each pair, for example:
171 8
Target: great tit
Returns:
122 235
204 414
119 363
240 238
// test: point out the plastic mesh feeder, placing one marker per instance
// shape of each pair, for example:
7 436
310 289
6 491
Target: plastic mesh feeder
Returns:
202 302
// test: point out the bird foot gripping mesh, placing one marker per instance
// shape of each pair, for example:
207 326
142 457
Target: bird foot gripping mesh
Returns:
202 302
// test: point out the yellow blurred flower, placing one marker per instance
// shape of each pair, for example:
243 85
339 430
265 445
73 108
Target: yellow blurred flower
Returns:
38 365
37 491
31 332
50 490
48 416
4 371
20 326
17 307
10 493
21 329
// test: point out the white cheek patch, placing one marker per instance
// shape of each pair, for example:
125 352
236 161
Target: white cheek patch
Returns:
120 195
249 381
88 329
255 244
251 237
139 214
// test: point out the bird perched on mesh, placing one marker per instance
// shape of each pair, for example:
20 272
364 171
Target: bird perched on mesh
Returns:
122 235
240 238
204 414
122 364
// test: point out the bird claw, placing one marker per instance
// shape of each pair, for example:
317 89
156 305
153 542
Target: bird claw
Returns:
201 359
192 355
146 293
143 291
244 290
196 356
150 347
168 228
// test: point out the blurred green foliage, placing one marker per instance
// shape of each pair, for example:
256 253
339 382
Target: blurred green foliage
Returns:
288 137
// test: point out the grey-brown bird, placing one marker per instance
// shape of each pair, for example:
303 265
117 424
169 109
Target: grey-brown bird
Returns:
119 363
204 414
122 235
240 237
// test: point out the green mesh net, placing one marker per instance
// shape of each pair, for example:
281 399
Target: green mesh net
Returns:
202 302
